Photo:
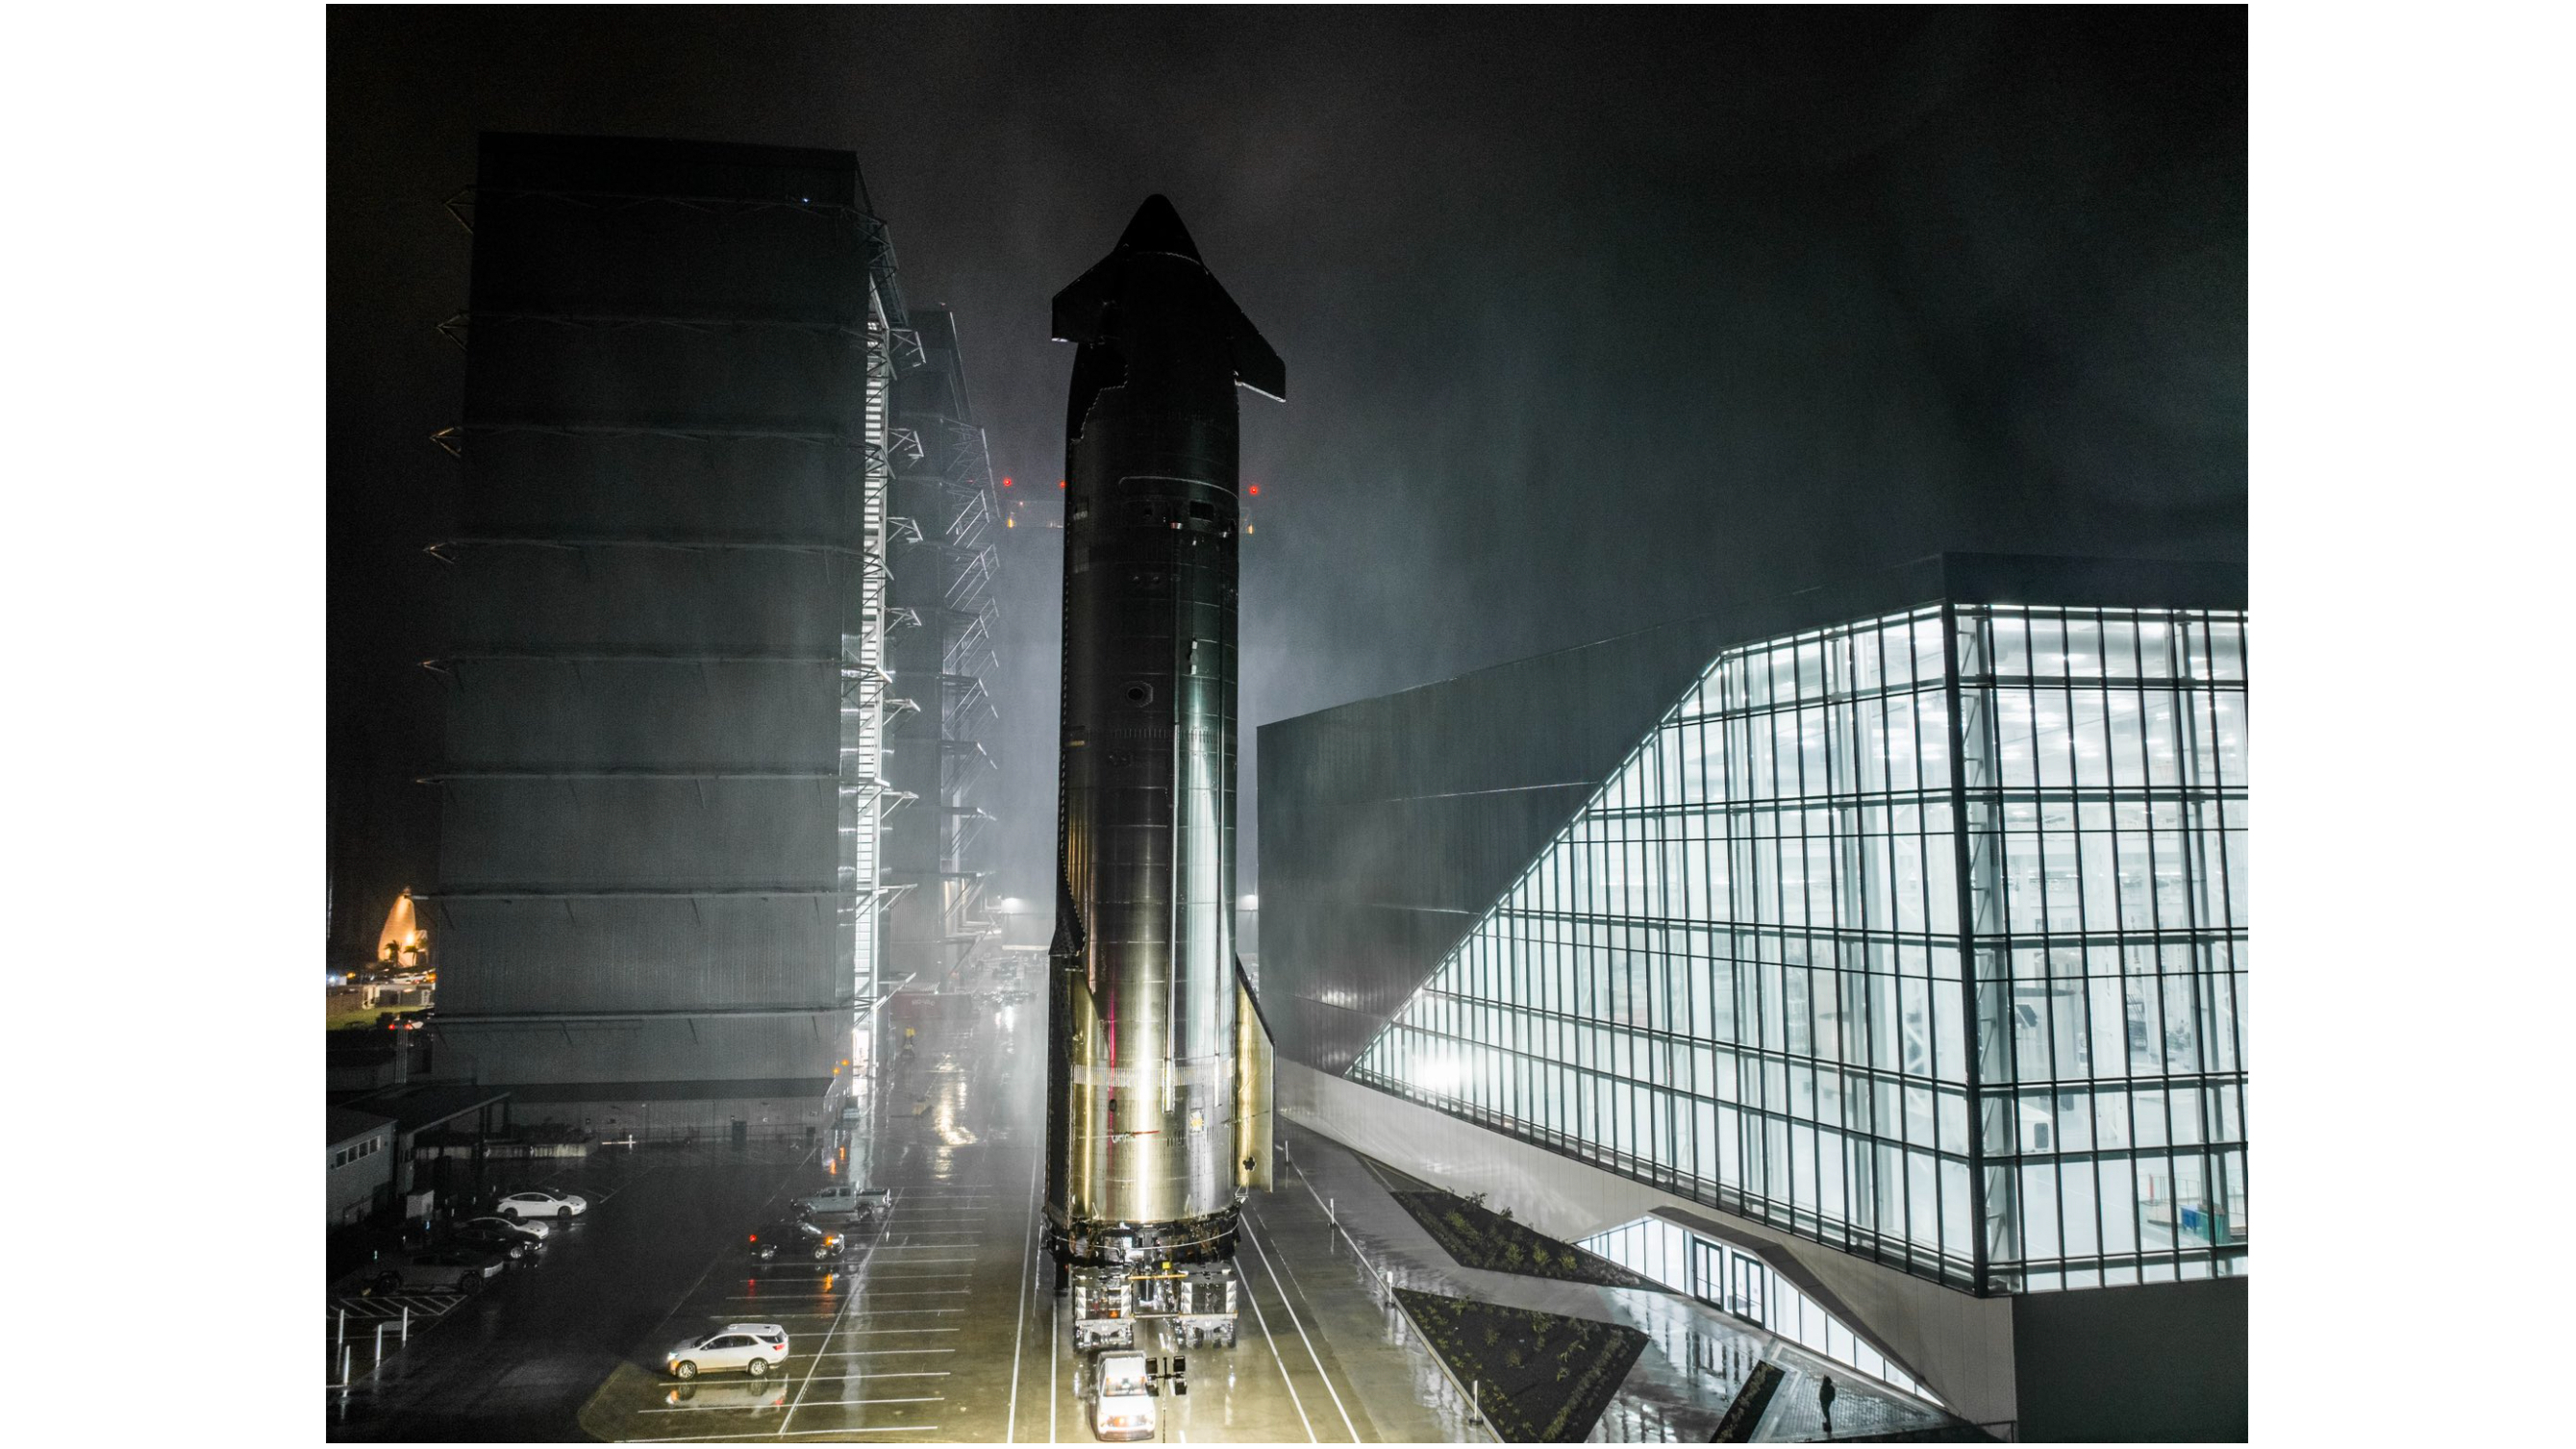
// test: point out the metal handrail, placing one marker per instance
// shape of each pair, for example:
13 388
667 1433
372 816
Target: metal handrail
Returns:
1473 1399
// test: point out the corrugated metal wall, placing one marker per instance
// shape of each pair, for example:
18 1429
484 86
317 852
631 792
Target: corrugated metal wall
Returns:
664 547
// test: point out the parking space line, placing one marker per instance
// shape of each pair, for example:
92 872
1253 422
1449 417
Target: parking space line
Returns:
856 1403
790 1433
903 1330
882 1352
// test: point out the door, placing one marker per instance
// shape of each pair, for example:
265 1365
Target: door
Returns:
1707 1272
1747 1276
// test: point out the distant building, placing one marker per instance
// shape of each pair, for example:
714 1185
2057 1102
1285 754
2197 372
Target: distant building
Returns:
663 802
362 1164
1868 963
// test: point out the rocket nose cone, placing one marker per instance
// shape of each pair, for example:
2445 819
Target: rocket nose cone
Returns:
1156 227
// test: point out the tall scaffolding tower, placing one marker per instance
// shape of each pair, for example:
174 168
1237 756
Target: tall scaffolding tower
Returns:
944 660
664 797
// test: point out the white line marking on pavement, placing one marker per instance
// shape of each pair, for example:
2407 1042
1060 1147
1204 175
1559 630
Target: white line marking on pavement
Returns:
1300 1326
1020 1306
786 1434
809 1368
1264 1320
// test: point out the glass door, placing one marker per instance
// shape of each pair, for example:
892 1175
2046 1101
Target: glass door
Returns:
1745 1283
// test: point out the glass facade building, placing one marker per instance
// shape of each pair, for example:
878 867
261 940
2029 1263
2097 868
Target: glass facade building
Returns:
1922 936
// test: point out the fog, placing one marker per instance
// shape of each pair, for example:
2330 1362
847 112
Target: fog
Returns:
1592 319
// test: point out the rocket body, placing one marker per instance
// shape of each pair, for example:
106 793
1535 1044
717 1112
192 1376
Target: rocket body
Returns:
1147 1089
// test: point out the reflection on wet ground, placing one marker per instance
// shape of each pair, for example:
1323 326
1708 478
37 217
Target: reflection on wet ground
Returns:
943 1326
1697 1356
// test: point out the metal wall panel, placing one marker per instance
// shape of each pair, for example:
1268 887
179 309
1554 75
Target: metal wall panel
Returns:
639 834
670 714
650 954
666 598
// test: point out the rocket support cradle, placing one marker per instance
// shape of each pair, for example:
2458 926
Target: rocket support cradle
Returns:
1158 1063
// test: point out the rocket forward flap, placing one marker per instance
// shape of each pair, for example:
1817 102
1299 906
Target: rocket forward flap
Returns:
1086 311
1256 365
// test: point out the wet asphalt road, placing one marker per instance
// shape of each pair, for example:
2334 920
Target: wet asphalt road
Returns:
944 1329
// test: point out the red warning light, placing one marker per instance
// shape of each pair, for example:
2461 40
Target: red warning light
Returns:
1006 482
1059 482
1256 490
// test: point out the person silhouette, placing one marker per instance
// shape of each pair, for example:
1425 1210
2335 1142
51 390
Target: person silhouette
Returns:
1825 1400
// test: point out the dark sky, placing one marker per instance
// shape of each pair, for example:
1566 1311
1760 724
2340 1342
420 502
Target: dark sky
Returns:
1592 318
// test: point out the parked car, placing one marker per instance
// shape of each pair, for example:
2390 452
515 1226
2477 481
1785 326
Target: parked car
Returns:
755 1348
796 1240
491 1235
860 1204
537 1228
460 1268
1124 1408
538 1202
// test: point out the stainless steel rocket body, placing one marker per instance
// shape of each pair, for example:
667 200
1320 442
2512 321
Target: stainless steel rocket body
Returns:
1143 1064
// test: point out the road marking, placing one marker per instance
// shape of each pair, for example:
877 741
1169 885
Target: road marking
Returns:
913 1293
881 1352
1300 1325
818 1359
789 1434
906 1330
1020 1306
1264 1320
908 1262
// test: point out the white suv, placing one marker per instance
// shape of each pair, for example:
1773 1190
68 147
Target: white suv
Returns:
755 1348
541 1203
1125 1408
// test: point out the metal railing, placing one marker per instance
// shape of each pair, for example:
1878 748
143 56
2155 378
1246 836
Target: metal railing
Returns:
1470 1399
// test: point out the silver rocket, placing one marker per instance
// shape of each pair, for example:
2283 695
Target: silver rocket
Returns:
1158 1065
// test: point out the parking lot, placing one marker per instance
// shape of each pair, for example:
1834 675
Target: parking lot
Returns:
940 1326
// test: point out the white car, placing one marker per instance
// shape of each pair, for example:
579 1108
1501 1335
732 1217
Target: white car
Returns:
538 1202
1125 1408
755 1348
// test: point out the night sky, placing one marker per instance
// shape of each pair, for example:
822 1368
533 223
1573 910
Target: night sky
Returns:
1592 319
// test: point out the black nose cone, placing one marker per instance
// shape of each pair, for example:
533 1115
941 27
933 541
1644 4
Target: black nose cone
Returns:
1157 228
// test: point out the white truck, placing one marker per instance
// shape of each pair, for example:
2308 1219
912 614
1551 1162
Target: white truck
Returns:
857 1206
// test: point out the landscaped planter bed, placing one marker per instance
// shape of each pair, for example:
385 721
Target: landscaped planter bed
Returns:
1541 1378
1482 1239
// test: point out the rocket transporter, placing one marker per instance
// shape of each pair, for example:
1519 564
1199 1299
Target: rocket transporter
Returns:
1158 1064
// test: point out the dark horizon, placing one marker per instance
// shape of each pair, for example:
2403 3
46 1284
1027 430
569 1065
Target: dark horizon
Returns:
1600 320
